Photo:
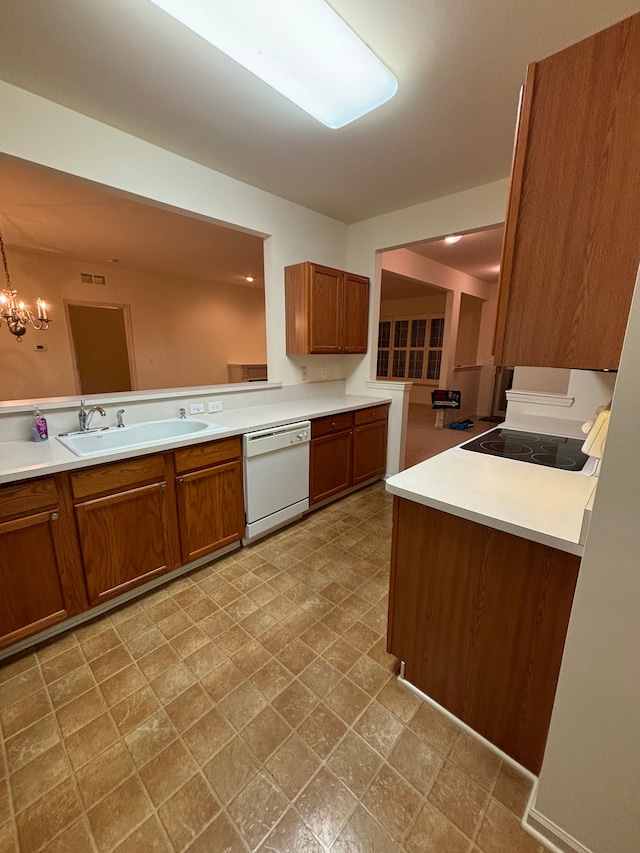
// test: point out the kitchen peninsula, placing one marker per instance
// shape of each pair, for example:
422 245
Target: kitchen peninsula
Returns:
484 563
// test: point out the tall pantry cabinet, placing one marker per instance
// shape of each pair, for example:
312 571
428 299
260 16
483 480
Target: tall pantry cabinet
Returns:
572 236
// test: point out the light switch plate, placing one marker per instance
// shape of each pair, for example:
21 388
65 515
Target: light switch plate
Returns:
215 406
196 408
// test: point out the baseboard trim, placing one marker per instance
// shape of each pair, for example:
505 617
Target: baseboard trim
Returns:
503 755
548 833
535 824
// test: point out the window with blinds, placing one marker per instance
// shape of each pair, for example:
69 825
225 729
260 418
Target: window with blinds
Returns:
410 348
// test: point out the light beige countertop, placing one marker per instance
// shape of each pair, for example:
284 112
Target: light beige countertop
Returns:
20 460
542 504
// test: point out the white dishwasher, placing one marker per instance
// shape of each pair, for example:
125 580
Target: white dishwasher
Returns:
276 477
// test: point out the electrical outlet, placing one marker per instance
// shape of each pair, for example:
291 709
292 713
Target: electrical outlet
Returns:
303 374
215 406
323 373
196 408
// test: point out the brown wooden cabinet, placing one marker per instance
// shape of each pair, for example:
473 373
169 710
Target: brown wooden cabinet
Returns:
330 456
210 497
346 449
480 617
41 580
572 237
369 443
126 518
71 541
327 310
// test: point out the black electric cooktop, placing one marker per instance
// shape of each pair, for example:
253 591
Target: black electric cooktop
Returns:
554 451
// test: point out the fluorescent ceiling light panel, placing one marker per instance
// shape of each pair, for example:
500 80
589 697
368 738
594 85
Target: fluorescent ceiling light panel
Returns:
301 48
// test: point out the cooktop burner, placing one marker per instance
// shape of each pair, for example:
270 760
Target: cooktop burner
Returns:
554 451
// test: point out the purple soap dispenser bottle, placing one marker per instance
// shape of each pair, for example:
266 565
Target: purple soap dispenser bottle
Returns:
39 427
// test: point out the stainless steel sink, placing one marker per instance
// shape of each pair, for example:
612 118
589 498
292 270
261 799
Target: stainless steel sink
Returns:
136 435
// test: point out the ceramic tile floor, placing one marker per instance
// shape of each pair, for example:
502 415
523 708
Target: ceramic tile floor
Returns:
249 706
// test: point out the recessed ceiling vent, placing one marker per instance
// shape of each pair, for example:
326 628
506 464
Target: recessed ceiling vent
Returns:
89 278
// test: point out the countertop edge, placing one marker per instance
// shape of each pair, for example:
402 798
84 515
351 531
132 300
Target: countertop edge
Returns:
490 521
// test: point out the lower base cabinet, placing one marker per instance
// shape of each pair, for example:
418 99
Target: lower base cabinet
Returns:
127 526
41 580
480 617
210 497
30 543
369 451
330 465
346 449
125 540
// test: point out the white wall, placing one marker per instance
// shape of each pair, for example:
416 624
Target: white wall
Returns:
468 330
552 380
590 780
584 390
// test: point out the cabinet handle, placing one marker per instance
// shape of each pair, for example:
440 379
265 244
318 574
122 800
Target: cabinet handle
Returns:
164 487
54 516
333 423
181 481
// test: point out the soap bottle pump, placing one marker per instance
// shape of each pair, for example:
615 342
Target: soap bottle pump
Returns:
39 428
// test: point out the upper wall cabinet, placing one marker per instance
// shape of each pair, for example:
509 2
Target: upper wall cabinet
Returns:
327 310
572 238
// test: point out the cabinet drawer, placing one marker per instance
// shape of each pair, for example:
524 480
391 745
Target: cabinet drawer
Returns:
202 455
373 413
117 475
332 423
26 497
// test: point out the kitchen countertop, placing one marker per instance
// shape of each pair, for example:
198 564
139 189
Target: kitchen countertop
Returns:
542 504
20 460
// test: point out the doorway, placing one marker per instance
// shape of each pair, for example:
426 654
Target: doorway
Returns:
101 347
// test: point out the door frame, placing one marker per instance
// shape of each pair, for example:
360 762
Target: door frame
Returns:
128 330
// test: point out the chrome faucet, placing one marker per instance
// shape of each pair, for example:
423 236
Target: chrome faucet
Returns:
85 415
119 415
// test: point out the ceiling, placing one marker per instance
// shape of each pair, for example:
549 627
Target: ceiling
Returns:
450 127
476 253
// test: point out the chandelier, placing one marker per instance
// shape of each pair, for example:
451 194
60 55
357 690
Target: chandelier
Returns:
13 310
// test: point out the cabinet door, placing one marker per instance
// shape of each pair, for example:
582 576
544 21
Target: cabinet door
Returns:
210 509
126 539
572 245
369 451
330 465
326 287
31 594
356 313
